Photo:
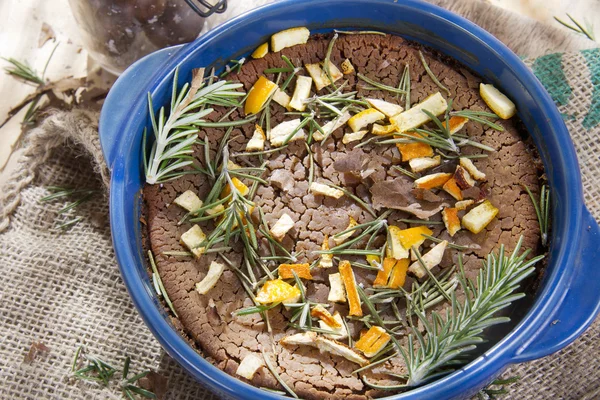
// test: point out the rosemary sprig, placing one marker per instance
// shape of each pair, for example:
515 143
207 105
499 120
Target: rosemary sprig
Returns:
24 71
479 116
176 134
450 338
405 171
93 369
158 284
235 66
328 59
378 85
432 75
59 193
359 32
587 31
405 86
542 210
489 393
273 371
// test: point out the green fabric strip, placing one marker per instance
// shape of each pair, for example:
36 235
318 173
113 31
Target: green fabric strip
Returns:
549 71
592 57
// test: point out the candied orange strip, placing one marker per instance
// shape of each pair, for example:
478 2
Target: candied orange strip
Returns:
456 123
239 185
452 188
320 312
373 341
413 236
450 217
383 275
398 276
275 291
414 150
286 271
351 292
433 180
258 95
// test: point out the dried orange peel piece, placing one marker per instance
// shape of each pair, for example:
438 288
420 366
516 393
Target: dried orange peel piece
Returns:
286 271
413 236
455 123
373 341
433 180
239 185
258 95
320 312
261 50
275 291
410 151
347 275
451 187
451 220
398 275
384 275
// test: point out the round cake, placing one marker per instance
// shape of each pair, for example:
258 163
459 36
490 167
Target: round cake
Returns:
338 172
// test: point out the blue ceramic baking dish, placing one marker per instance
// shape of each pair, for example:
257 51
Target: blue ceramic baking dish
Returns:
568 299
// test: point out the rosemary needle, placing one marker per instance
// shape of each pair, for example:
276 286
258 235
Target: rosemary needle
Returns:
432 75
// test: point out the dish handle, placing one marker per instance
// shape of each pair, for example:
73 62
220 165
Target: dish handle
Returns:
125 92
580 304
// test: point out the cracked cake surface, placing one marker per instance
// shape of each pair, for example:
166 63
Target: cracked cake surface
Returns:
209 320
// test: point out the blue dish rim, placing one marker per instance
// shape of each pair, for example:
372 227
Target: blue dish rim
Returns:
509 345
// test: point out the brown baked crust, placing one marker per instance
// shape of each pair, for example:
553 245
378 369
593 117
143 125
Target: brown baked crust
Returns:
226 339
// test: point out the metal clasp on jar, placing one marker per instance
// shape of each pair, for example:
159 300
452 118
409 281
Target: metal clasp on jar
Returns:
218 8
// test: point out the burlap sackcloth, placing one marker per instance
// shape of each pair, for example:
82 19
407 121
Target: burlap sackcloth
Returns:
65 289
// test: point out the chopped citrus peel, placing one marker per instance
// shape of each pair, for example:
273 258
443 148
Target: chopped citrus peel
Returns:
341 238
433 180
381 280
373 341
215 270
286 271
320 77
354 136
279 134
321 313
326 260
463 178
479 217
381 130
325 345
415 117
189 201
289 37
261 51
276 291
239 185
374 261
497 101
394 247
424 163
469 166
398 275
258 95
301 93
410 151
249 365
337 293
456 124
282 226
339 333
349 280
463 205
280 97
430 260
325 190
413 236
347 67
389 109
257 142
452 188
364 118
192 239
451 221
332 126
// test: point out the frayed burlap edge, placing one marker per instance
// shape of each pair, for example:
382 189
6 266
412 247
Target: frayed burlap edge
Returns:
79 127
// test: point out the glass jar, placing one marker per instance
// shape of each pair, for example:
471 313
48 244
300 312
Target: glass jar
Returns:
116 33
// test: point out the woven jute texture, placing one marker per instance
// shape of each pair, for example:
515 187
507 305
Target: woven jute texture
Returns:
64 289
